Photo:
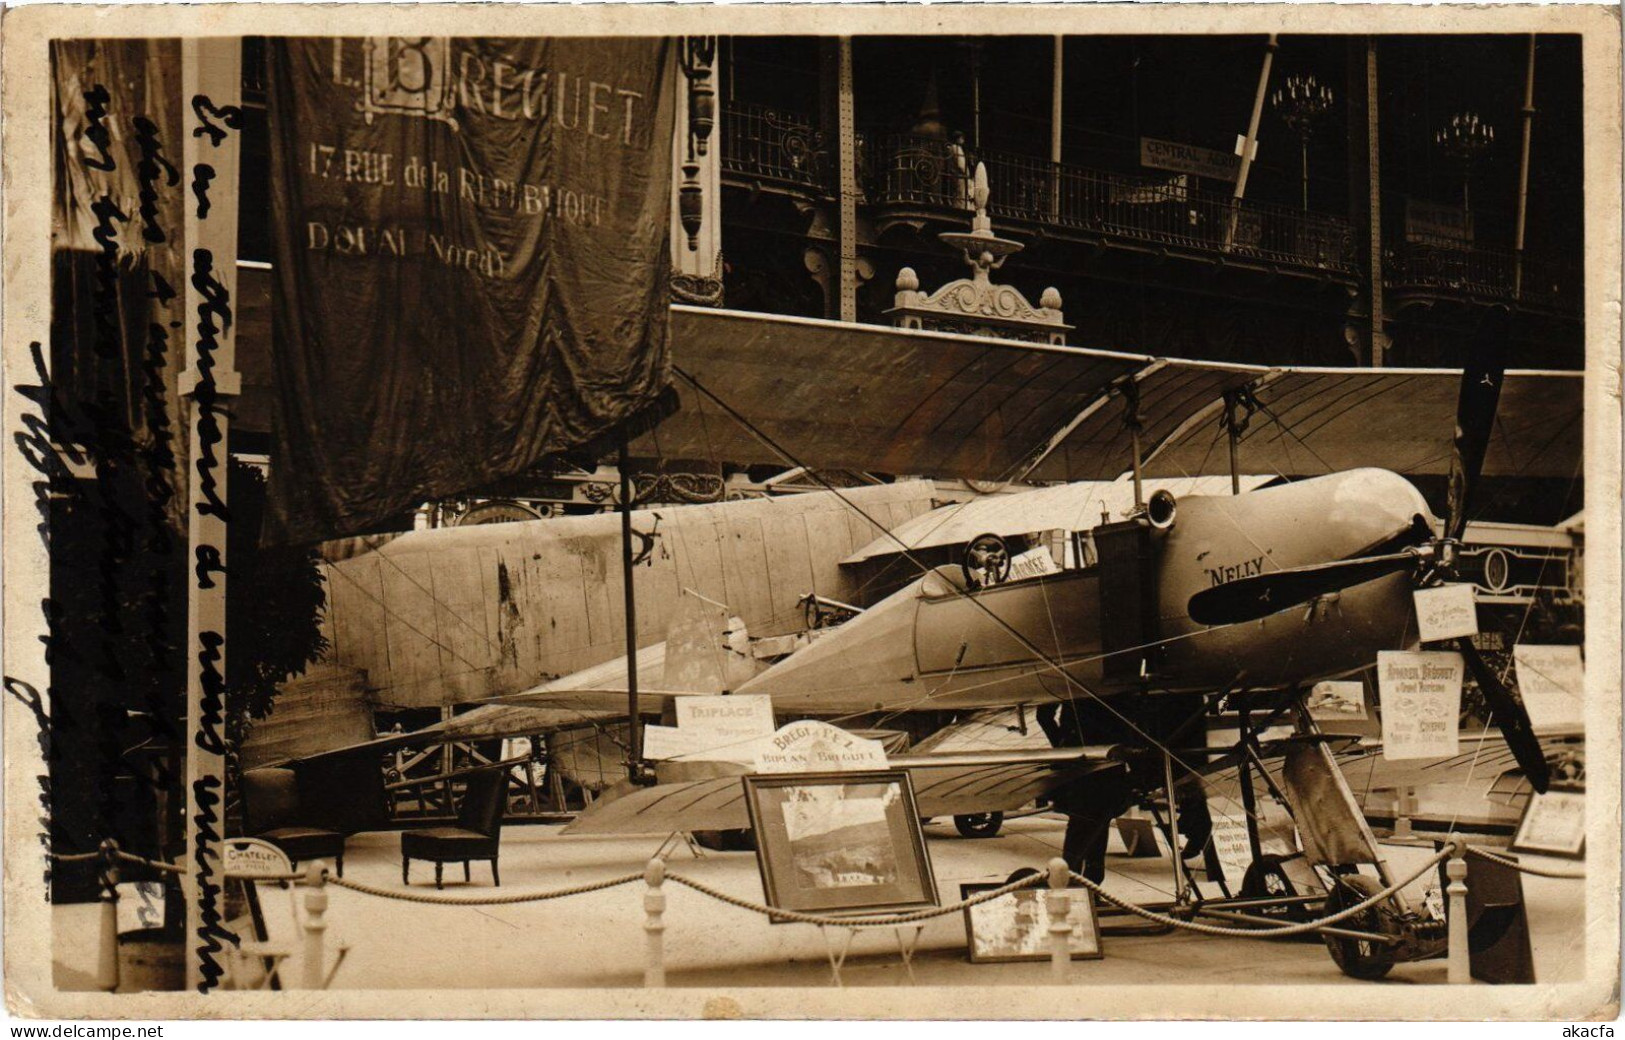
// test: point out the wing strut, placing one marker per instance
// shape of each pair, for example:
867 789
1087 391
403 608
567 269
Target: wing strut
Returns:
634 745
1239 406
1131 419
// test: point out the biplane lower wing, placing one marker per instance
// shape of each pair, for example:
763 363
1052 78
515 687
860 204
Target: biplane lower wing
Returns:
944 785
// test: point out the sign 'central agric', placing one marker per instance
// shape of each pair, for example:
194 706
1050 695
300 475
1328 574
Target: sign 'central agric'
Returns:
471 262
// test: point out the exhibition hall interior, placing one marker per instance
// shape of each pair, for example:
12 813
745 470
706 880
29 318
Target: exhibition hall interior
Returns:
816 511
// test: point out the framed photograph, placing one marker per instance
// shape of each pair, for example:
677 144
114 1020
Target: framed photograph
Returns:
1015 927
1553 824
839 843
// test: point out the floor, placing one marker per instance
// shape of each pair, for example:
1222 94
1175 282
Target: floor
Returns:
597 939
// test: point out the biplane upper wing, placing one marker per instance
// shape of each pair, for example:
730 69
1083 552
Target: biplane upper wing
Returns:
874 398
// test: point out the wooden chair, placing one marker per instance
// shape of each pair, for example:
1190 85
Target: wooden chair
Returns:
271 812
477 834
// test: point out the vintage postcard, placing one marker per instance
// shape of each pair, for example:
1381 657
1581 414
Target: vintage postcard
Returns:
812 512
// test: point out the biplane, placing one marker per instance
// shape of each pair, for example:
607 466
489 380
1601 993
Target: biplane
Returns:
1247 596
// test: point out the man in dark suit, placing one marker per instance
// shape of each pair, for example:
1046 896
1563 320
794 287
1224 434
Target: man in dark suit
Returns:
1092 802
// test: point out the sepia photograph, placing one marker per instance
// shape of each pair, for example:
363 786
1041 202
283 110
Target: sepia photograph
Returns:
672 512
1016 926
839 843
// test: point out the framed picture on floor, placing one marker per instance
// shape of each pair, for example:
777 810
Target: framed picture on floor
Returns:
839 843
1553 824
1015 926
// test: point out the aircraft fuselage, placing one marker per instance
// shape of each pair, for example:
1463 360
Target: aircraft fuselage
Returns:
933 645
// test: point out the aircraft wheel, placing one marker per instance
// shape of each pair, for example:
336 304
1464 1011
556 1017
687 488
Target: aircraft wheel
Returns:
1360 958
1266 878
979 825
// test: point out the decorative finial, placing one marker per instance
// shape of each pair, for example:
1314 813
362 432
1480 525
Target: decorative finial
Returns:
980 190
907 280
1051 299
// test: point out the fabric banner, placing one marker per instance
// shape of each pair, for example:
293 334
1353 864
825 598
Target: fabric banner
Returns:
117 270
470 243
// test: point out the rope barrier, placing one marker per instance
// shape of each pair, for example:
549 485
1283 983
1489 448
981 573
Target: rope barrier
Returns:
171 868
858 921
1262 933
520 897
1523 868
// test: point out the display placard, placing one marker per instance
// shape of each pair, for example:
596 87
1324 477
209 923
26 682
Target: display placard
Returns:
1421 703
1553 824
1551 683
811 747
252 858
1230 842
1446 612
735 717
1337 701
1015 926
140 906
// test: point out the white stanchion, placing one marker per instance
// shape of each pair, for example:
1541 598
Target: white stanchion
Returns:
1060 927
654 924
1459 964
315 925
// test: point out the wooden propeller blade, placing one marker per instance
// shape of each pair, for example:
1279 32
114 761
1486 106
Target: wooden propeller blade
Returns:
1510 717
1247 599
1476 403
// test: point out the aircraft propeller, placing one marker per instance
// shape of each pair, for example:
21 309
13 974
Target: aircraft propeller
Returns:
1247 599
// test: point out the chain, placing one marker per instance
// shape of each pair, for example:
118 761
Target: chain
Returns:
867 921
1523 868
521 897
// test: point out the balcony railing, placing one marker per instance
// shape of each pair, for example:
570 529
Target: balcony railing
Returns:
772 145
1164 211
1478 271
932 176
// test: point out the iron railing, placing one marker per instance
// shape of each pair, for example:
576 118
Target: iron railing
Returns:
777 146
933 176
1479 271
1164 211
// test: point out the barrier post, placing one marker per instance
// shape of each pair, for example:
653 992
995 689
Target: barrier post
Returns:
107 951
654 924
1460 961
1060 928
1404 809
315 923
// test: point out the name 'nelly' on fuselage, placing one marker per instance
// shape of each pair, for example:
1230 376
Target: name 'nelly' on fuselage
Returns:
931 645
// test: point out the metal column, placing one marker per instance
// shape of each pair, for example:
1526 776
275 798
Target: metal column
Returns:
1379 338
1527 113
846 125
